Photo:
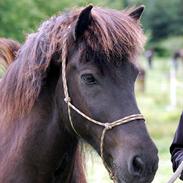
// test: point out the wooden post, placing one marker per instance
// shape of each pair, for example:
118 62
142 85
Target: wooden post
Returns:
173 98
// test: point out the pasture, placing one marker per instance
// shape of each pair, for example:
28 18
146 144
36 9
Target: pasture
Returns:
161 119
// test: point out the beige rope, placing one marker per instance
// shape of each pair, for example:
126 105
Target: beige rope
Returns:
107 126
176 174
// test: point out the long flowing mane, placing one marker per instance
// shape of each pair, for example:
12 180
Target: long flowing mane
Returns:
110 32
8 50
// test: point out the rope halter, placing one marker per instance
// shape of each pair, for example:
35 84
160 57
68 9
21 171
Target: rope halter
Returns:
107 126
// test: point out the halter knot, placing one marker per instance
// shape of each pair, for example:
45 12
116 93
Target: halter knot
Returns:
67 99
107 126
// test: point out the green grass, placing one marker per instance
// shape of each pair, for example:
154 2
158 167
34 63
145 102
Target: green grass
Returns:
161 118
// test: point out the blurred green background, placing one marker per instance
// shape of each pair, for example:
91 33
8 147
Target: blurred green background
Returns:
162 19
163 24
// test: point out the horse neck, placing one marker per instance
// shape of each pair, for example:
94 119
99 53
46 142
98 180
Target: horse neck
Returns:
32 148
70 169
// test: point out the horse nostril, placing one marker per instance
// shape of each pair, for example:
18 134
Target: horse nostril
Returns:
136 166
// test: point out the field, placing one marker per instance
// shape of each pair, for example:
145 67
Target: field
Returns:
162 120
161 117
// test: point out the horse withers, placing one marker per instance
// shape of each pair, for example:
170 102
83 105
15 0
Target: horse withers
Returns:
72 79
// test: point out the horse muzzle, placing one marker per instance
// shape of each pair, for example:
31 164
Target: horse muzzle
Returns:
137 169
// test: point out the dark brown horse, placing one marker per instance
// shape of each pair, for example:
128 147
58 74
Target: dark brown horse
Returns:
178 55
38 144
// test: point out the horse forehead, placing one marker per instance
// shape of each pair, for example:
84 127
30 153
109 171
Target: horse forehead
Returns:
81 54
85 54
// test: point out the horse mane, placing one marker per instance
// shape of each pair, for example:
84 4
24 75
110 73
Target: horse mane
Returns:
111 32
8 51
78 173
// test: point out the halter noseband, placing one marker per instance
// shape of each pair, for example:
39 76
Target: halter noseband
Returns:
107 126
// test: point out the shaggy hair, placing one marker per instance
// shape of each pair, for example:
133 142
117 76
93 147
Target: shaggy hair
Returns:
8 51
111 32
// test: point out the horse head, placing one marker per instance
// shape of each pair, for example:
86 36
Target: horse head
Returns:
74 78
101 72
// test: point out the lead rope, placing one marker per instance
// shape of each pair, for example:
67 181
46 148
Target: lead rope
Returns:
107 126
176 174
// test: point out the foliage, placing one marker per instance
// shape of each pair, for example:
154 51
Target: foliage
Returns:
166 47
20 17
172 44
162 18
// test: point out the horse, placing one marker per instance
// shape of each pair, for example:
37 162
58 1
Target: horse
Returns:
176 56
141 79
74 79
149 54
8 50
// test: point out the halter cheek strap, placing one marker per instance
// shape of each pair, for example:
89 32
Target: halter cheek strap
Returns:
106 126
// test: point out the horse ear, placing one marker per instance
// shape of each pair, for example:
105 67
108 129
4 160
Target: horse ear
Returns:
137 13
83 22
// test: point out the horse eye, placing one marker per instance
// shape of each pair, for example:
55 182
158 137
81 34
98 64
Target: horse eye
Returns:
88 79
